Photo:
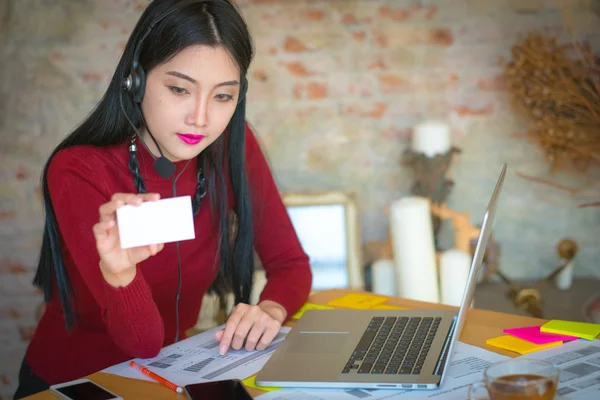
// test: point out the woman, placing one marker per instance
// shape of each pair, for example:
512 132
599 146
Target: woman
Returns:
171 123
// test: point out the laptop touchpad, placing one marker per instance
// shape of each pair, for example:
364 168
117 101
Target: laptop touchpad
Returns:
319 342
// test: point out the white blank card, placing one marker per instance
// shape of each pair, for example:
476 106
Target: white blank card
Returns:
152 222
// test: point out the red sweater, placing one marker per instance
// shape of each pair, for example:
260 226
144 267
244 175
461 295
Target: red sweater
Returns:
114 325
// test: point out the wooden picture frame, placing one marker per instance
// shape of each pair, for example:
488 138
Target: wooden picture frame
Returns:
310 210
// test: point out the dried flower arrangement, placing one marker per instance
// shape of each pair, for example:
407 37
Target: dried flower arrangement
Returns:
555 87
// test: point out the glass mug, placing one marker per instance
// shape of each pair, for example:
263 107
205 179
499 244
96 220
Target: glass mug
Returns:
517 380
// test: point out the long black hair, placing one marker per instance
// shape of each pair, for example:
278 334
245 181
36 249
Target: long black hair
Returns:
201 22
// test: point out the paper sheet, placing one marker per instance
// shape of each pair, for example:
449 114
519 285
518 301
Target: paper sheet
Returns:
197 359
579 364
465 368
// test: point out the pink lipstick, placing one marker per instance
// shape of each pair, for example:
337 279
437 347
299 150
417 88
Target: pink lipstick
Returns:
190 138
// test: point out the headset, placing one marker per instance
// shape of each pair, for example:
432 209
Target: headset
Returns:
135 84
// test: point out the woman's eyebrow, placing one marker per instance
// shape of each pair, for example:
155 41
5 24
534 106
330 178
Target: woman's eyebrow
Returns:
192 80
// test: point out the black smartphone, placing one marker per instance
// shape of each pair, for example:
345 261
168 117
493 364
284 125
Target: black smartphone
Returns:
229 389
82 389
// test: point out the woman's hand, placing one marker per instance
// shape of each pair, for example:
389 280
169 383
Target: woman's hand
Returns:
118 265
257 325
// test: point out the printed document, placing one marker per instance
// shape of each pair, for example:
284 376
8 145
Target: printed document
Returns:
579 364
197 359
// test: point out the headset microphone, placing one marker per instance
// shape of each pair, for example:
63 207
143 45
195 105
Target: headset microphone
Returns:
164 167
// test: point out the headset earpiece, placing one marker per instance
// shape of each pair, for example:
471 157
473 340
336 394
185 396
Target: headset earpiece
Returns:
136 82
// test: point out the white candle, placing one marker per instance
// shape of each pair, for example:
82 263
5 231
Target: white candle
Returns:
454 273
564 279
383 274
414 251
431 138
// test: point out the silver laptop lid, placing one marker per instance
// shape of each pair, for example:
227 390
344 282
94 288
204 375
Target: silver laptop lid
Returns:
482 241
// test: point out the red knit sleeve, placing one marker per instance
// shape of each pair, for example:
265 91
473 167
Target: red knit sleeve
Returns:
287 268
131 316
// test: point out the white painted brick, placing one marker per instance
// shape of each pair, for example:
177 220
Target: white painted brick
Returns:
19 286
9 368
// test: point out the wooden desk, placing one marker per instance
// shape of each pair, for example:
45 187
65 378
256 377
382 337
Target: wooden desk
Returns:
480 326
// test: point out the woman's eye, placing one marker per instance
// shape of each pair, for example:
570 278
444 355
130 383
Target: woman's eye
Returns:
178 90
224 97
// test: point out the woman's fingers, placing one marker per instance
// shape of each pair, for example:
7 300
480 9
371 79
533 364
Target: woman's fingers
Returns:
256 332
271 331
133 198
139 254
102 234
108 210
101 228
231 326
107 236
155 248
242 330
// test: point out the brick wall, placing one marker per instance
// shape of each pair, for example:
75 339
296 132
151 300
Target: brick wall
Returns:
334 91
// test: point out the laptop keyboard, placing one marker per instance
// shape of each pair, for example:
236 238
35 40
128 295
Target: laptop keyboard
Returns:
393 345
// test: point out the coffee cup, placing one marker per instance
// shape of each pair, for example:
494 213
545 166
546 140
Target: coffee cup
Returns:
519 379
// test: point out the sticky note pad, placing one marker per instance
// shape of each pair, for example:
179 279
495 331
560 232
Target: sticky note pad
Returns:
535 335
251 383
358 301
387 307
580 329
517 345
310 306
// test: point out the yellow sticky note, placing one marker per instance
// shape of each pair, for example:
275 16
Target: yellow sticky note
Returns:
250 383
580 329
310 306
357 300
387 307
518 345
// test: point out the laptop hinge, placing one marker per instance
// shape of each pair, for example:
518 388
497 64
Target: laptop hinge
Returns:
441 363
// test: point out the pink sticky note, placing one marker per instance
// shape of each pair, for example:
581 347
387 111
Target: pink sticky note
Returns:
534 335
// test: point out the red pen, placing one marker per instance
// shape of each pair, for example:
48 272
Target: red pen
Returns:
156 377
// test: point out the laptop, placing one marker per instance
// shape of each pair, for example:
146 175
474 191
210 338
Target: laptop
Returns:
376 349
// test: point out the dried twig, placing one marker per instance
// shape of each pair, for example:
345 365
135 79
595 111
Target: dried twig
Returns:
567 189
595 204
